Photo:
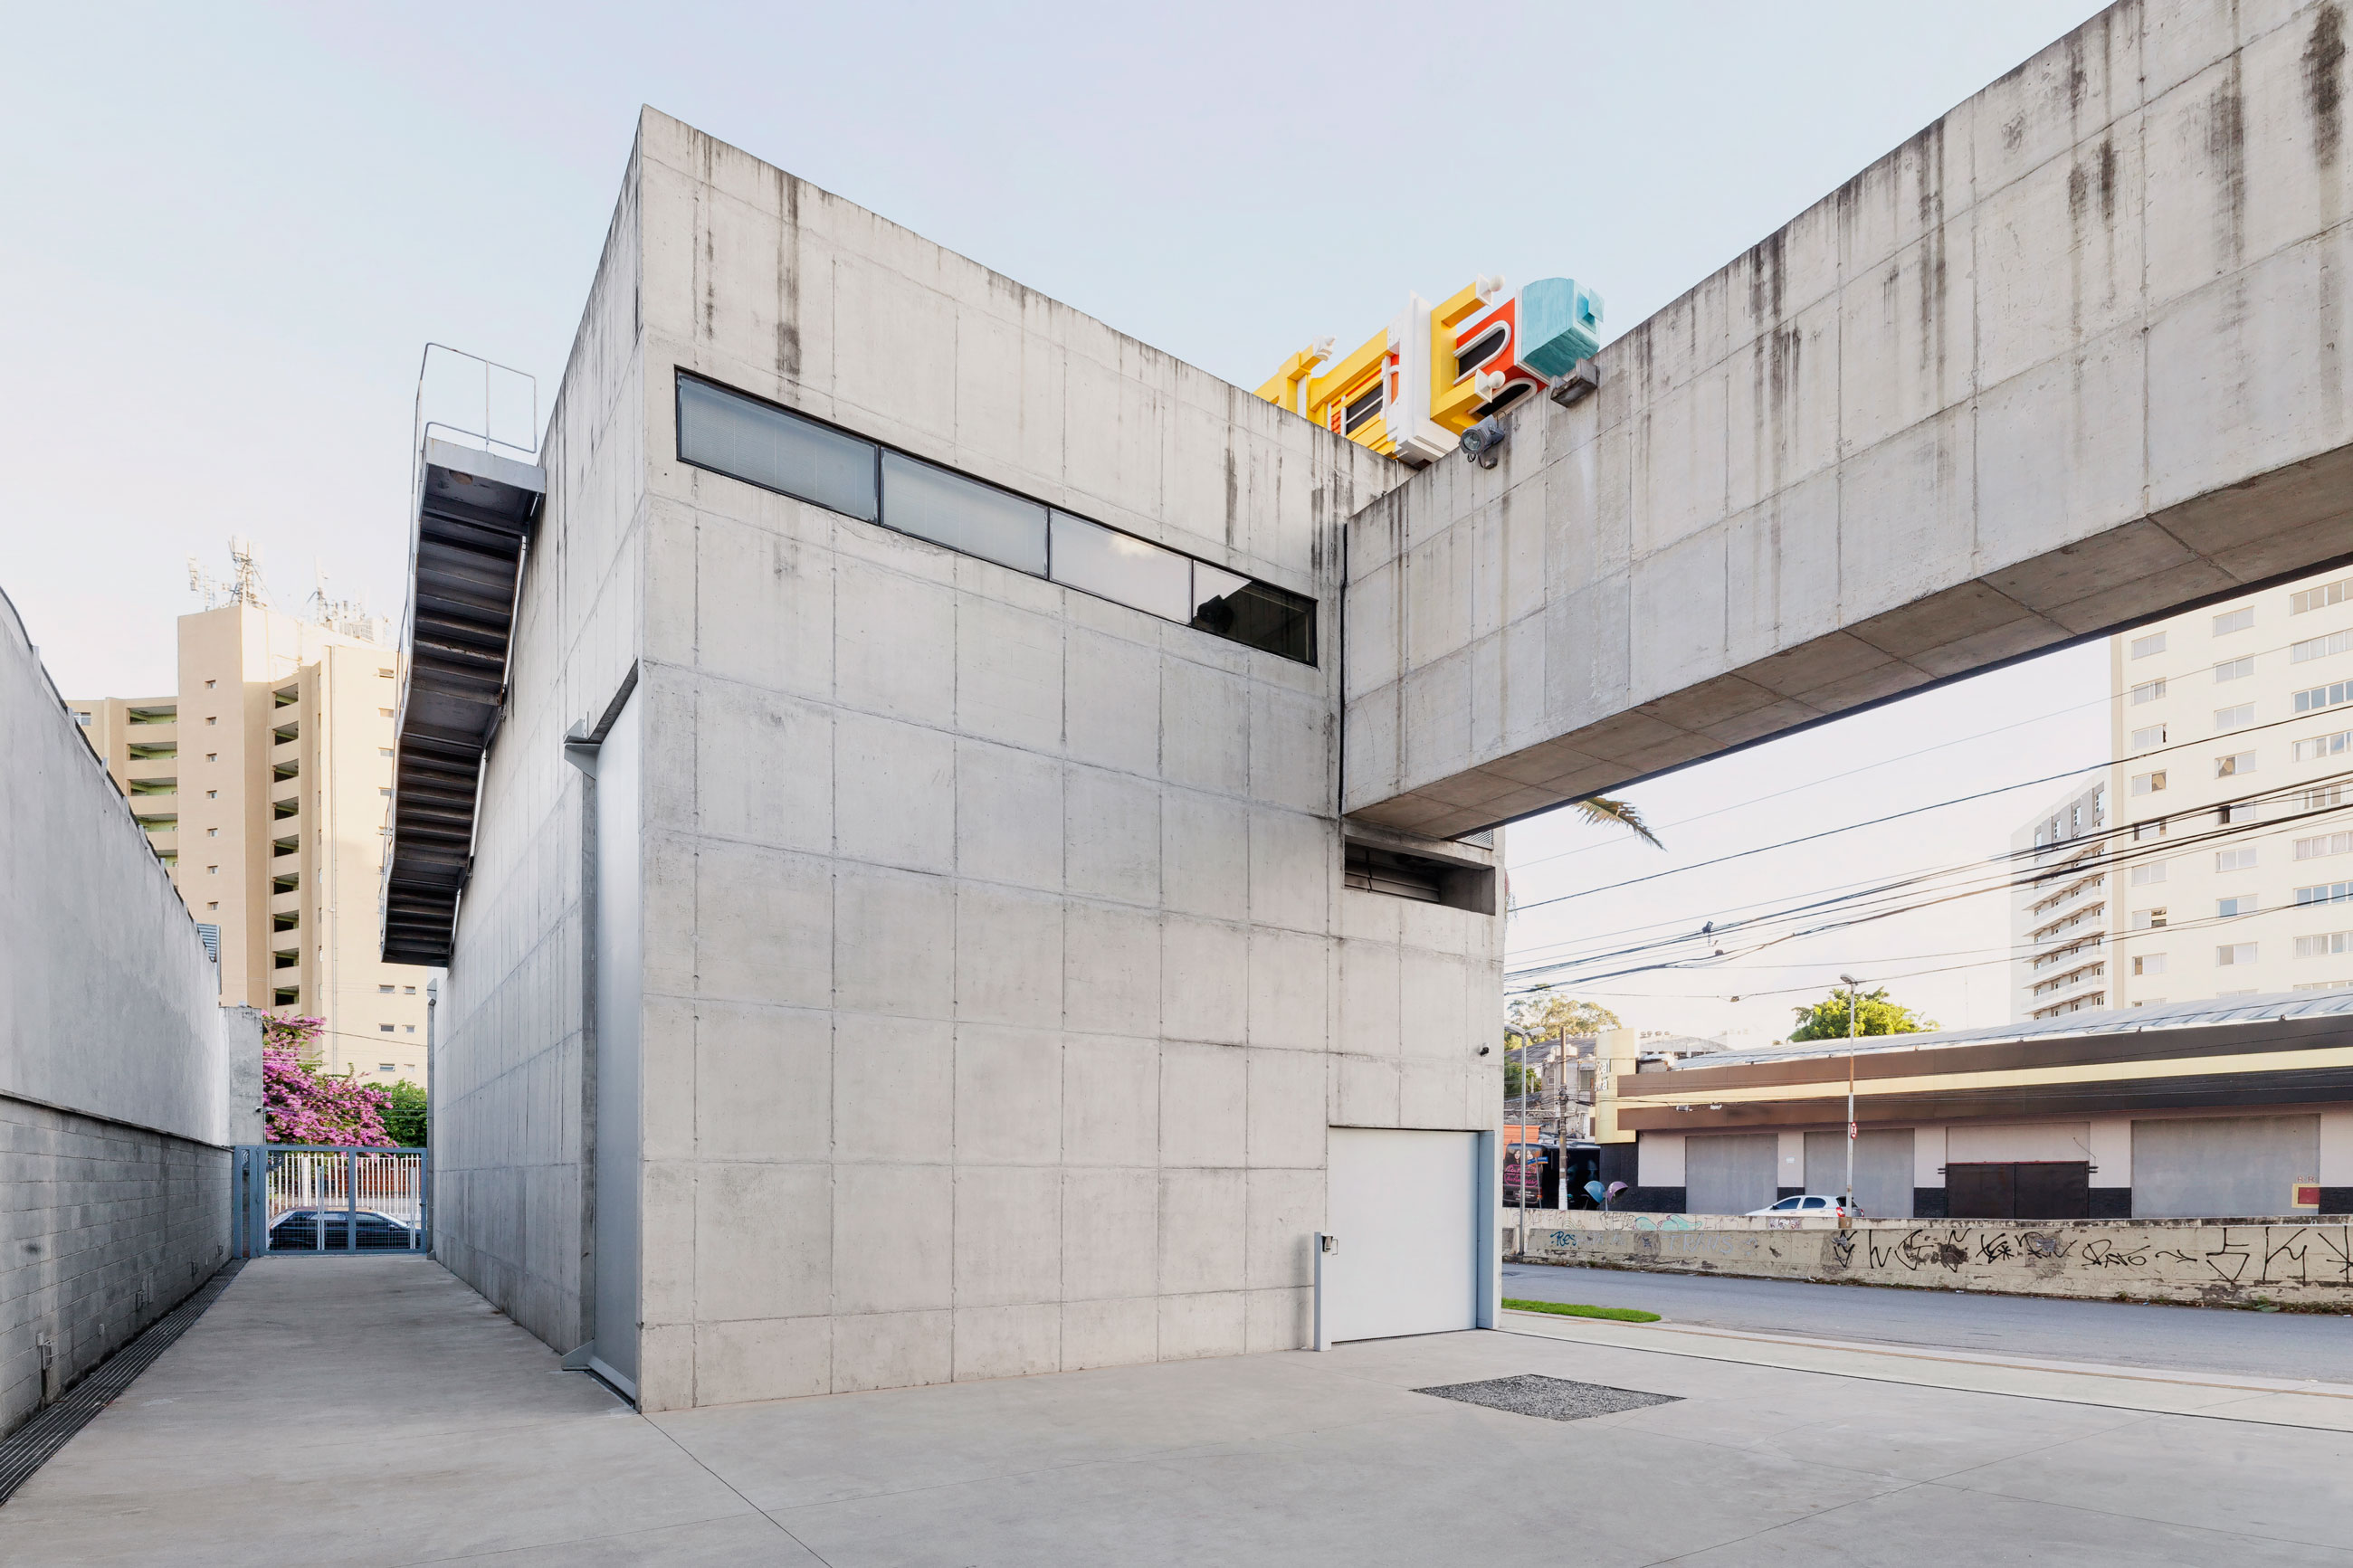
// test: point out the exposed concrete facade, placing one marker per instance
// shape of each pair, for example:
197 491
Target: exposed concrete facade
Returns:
115 1060
966 896
2071 357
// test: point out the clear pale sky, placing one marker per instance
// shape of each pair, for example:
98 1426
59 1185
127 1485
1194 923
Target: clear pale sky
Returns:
229 229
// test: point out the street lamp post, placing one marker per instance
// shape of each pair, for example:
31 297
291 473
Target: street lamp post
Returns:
1853 1007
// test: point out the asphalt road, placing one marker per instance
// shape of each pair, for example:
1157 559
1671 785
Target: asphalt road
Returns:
2199 1338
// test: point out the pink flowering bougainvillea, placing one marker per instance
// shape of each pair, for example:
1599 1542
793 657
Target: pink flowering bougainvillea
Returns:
302 1105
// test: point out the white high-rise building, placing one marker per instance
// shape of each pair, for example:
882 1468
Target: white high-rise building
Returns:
2228 863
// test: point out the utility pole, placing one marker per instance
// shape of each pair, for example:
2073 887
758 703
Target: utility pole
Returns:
1519 1171
1853 1008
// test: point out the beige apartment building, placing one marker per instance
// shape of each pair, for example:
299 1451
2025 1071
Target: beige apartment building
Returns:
2216 859
262 783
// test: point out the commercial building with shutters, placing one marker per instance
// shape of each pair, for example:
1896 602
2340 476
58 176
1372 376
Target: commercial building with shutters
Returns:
2209 1110
873 779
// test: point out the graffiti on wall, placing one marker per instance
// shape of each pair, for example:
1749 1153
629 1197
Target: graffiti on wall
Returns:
2184 1257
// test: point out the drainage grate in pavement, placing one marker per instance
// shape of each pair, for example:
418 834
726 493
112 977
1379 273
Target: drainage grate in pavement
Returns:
1553 1398
34 1444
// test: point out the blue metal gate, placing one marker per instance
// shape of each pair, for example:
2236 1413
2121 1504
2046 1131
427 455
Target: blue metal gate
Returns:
325 1200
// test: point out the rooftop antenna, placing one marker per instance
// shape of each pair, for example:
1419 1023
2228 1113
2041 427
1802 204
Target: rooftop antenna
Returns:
242 587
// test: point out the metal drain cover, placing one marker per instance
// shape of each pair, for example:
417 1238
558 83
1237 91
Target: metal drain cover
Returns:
1553 1398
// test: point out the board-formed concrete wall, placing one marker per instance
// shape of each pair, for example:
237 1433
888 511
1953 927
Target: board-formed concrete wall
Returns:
964 895
115 1060
2217 1262
512 1063
2071 356
973 898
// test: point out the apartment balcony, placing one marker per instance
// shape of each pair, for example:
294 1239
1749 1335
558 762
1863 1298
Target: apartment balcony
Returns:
285 844
164 840
151 722
284 809
288 903
2082 944
286 754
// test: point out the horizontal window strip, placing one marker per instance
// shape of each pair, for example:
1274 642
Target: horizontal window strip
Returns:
2327 696
2319 598
2320 648
731 433
2325 893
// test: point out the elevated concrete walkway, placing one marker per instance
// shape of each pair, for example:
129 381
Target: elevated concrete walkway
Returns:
378 1411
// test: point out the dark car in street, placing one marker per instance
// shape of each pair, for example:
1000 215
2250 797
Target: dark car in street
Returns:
340 1230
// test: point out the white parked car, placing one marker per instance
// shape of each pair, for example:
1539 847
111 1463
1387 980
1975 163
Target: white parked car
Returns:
1808 1203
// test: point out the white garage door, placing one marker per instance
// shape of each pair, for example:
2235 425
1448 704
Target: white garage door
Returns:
1405 1212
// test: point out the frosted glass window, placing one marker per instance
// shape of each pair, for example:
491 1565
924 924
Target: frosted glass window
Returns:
775 450
2153 643
1122 568
2237 718
963 514
2236 620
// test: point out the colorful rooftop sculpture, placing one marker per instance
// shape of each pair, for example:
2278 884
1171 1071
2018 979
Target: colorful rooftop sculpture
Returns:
1410 390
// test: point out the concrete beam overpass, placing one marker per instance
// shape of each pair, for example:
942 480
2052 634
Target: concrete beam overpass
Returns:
2071 358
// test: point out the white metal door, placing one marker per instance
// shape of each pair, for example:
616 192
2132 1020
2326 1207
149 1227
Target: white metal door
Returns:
1404 1217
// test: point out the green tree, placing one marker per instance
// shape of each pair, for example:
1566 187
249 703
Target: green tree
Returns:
404 1114
1547 1015
1827 1019
1518 1080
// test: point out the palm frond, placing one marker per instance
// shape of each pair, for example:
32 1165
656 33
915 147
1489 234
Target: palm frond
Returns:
1600 810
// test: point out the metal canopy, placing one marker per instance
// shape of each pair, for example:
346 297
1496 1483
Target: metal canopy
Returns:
475 512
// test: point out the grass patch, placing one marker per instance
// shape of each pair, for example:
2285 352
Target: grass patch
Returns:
1571 1309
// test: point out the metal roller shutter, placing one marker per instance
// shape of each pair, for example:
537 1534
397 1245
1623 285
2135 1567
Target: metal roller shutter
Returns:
1730 1173
2220 1166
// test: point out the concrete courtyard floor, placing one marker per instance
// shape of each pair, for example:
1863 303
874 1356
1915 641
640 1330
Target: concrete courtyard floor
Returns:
378 1411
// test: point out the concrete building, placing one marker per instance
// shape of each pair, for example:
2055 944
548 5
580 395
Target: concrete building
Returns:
2192 1109
954 842
2060 907
263 784
883 664
117 1105
2208 863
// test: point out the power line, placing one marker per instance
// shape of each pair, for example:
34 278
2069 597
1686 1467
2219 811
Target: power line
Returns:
2102 700
2102 861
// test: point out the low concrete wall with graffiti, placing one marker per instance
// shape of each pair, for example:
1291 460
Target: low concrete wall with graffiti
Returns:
2217 1261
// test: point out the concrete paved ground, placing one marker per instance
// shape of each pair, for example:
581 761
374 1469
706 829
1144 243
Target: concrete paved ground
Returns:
2263 1345
378 1412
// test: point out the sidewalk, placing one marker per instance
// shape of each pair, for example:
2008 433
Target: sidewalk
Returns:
377 1411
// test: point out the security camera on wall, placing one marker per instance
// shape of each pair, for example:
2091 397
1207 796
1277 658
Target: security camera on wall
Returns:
1483 442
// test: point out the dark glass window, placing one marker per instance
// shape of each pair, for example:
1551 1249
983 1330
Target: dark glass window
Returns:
1479 350
1363 409
1258 614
